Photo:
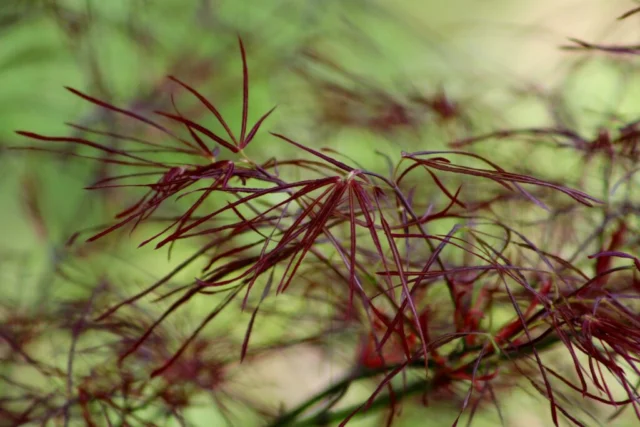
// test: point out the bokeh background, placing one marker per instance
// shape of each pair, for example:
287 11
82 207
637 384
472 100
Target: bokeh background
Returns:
495 57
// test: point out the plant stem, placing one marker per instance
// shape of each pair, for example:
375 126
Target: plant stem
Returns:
339 387
325 417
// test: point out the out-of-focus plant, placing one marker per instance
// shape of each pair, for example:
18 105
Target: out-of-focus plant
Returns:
449 276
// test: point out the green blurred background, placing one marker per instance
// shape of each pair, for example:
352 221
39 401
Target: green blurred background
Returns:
492 54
